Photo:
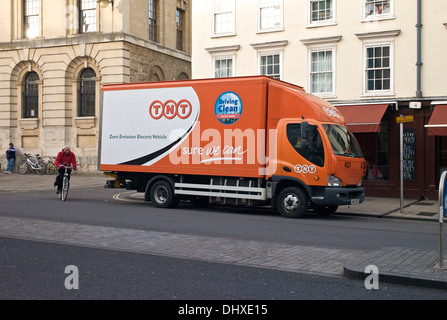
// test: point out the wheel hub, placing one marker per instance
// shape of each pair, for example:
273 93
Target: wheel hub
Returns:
161 194
291 202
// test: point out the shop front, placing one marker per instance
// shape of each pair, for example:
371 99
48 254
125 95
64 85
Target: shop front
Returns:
376 128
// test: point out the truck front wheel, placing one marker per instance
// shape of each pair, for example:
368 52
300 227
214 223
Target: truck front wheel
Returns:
162 195
292 202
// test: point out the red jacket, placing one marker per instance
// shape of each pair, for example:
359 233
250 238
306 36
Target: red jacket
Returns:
63 158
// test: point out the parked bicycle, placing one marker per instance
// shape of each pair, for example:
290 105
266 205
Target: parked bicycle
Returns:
65 182
51 166
31 163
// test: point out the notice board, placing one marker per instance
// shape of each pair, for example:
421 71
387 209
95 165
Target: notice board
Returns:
409 154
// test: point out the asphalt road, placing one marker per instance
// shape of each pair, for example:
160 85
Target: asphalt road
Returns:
98 206
31 269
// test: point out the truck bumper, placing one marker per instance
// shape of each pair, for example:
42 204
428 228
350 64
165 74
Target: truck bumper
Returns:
334 196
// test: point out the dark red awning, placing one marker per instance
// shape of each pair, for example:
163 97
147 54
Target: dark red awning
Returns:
437 126
363 118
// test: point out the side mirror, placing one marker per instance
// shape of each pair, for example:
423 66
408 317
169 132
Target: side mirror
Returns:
305 130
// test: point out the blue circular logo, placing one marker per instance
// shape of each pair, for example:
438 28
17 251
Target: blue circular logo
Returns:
228 107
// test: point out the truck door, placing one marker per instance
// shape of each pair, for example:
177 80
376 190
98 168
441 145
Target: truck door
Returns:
302 153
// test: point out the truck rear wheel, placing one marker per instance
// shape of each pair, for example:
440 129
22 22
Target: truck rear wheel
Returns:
162 195
292 202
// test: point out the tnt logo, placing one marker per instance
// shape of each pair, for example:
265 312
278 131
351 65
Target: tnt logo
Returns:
170 109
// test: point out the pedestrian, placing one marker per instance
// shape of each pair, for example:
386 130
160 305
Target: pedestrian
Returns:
10 158
64 158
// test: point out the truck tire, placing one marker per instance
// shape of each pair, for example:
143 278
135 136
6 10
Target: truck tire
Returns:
325 210
292 202
162 195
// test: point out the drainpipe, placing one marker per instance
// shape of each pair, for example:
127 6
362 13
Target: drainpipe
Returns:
419 62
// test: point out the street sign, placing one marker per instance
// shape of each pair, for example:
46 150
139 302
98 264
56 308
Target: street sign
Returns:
402 119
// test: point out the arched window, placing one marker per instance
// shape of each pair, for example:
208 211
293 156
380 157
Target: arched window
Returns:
87 93
31 96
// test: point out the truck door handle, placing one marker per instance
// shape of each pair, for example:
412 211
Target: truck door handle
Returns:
287 169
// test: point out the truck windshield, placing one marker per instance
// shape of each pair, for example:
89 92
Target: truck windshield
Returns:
342 141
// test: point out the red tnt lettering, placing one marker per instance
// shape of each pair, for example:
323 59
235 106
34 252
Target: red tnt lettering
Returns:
170 109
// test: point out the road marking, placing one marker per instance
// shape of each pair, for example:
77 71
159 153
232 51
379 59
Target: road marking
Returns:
117 196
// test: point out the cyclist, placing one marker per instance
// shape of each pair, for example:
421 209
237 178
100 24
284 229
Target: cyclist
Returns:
66 158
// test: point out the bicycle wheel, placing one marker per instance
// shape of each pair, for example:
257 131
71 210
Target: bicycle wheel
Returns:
65 187
41 168
51 167
22 167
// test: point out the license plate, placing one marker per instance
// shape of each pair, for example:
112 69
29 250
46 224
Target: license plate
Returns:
355 201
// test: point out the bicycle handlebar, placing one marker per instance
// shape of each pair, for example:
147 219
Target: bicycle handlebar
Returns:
66 166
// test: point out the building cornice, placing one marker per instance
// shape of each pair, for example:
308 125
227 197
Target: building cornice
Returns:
272 44
91 38
223 49
325 40
378 34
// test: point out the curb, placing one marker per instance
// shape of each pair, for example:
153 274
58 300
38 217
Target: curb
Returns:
414 268
357 273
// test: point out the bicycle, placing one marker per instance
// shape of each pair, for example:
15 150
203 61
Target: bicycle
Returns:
36 164
51 166
65 183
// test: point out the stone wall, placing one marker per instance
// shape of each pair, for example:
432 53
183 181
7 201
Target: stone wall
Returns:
59 68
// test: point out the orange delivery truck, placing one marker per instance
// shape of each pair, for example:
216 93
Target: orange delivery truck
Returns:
243 141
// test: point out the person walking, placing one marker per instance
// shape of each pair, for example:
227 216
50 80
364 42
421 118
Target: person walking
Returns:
10 158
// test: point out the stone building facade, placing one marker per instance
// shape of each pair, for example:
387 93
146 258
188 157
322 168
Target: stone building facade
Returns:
375 60
55 55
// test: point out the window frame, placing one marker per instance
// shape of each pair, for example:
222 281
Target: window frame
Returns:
375 44
231 32
274 28
321 23
180 21
264 53
218 57
81 93
152 20
381 16
37 31
81 18
26 109
320 48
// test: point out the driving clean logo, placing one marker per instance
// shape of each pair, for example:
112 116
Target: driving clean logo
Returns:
170 109
228 107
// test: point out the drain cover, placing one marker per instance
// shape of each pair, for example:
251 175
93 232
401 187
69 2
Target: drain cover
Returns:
426 214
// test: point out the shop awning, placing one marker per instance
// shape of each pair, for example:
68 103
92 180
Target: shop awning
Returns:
437 126
363 118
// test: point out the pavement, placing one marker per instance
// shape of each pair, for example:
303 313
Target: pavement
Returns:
400 265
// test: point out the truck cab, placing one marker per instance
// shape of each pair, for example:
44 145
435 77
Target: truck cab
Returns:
321 162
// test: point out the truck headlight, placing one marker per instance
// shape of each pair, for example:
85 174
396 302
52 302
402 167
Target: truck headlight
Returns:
333 181
360 183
